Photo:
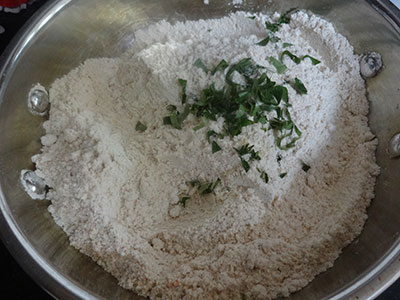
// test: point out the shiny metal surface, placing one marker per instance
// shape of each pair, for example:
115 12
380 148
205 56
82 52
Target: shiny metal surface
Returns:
370 64
33 184
394 146
68 31
38 102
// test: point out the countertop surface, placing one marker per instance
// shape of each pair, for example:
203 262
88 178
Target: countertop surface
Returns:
16 284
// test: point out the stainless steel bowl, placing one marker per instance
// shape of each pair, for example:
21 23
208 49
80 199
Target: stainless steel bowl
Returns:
66 32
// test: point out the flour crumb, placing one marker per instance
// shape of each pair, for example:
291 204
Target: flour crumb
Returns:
234 2
237 2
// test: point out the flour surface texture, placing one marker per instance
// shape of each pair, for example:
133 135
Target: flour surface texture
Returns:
115 190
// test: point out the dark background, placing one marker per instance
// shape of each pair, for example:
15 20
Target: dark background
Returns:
15 283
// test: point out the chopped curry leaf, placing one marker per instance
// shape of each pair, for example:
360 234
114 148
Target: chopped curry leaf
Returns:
279 66
245 164
285 45
215 147
200 64
171 107
220 67
293 57
208 187
247 150
202 124
183 83
299 86
167 121
314 61
305 167
264 42
273 27
214 185
176 118
140 127
175 122
210 134
285 18
263 175
182 200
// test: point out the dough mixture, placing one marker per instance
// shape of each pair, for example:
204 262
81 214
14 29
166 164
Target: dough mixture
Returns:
128 187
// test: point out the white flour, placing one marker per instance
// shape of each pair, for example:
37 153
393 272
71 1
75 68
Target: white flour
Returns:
114 190
234 2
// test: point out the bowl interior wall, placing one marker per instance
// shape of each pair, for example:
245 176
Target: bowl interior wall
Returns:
98 28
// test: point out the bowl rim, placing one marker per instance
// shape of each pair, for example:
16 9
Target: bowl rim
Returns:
368 285
50 280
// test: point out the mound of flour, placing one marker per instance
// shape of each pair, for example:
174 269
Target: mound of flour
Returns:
115 190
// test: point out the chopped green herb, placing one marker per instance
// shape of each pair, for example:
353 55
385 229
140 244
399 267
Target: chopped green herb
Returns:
202 124
270 38
171 107
252 17
297 130
200 64
297 59
194 183
247 149
279 66
289 144
314 61
264 42
280 124
183 83
263 175
245 164
282 175
278 158
183 200
175 119
203 188
214 185
140 127
215 147
285 45
299 86
248 99
175 122
274 27
166 121
244 67
274 39
305 167
293 57
185 113
220 67
280 93
208 187
210 134
285 18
